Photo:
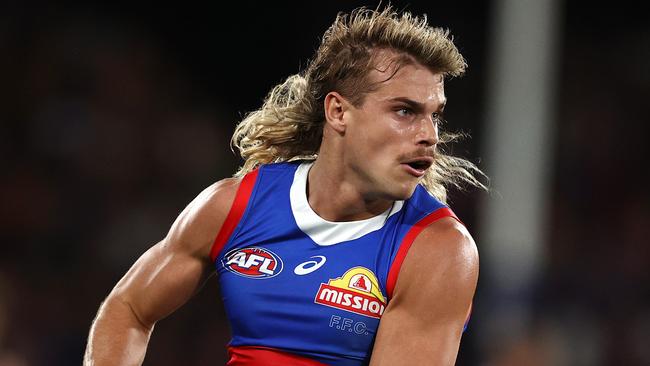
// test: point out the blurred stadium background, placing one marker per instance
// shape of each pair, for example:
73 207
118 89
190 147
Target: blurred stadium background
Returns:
113 117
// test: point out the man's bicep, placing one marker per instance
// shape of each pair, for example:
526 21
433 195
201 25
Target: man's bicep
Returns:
424 320
170 272
159 282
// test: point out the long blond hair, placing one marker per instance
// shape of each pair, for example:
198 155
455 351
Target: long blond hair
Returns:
289 125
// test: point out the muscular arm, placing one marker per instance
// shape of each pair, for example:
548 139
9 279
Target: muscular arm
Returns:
160 281
424 320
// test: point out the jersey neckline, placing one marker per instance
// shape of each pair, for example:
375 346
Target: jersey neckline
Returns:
324 232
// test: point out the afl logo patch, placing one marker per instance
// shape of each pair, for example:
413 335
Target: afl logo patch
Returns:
253 262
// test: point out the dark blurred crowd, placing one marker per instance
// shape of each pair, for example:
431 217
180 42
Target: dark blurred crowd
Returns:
597 287
103 142
104 138
592 304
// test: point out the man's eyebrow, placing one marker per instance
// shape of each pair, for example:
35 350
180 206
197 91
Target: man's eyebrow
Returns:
415 105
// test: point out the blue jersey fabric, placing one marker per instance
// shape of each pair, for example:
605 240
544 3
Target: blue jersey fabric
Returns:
320 299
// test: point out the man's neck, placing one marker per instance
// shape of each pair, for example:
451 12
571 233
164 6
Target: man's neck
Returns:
337 195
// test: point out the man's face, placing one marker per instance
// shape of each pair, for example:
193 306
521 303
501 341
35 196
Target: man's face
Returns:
391 137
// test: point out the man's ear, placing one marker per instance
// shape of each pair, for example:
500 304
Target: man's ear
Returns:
335 108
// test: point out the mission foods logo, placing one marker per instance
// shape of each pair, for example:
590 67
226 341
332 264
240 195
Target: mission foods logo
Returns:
253 262
357 291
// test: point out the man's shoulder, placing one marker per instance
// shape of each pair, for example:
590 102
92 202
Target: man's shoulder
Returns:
447 244
447 235
447 252
197 226
214 199
447 240
217 197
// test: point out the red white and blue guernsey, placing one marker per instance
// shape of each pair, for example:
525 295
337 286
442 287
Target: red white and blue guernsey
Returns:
300 290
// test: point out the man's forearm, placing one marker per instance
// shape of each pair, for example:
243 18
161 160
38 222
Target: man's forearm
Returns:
117 337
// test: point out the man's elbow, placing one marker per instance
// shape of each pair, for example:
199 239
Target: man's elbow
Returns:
122 310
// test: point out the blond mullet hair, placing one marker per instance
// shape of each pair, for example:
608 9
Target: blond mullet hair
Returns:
289 125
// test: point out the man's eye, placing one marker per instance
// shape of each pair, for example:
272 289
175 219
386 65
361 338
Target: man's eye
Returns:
437 118
404 112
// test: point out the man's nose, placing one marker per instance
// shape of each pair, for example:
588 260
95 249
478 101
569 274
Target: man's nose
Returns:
428 133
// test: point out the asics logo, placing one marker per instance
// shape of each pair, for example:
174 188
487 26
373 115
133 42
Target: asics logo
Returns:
310 266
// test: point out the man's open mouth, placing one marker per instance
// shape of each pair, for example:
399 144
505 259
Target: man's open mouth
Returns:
419 165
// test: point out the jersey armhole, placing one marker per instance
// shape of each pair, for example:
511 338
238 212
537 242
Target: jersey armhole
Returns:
235 214
409 238
468 316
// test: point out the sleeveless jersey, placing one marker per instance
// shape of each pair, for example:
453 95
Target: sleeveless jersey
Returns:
300 290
